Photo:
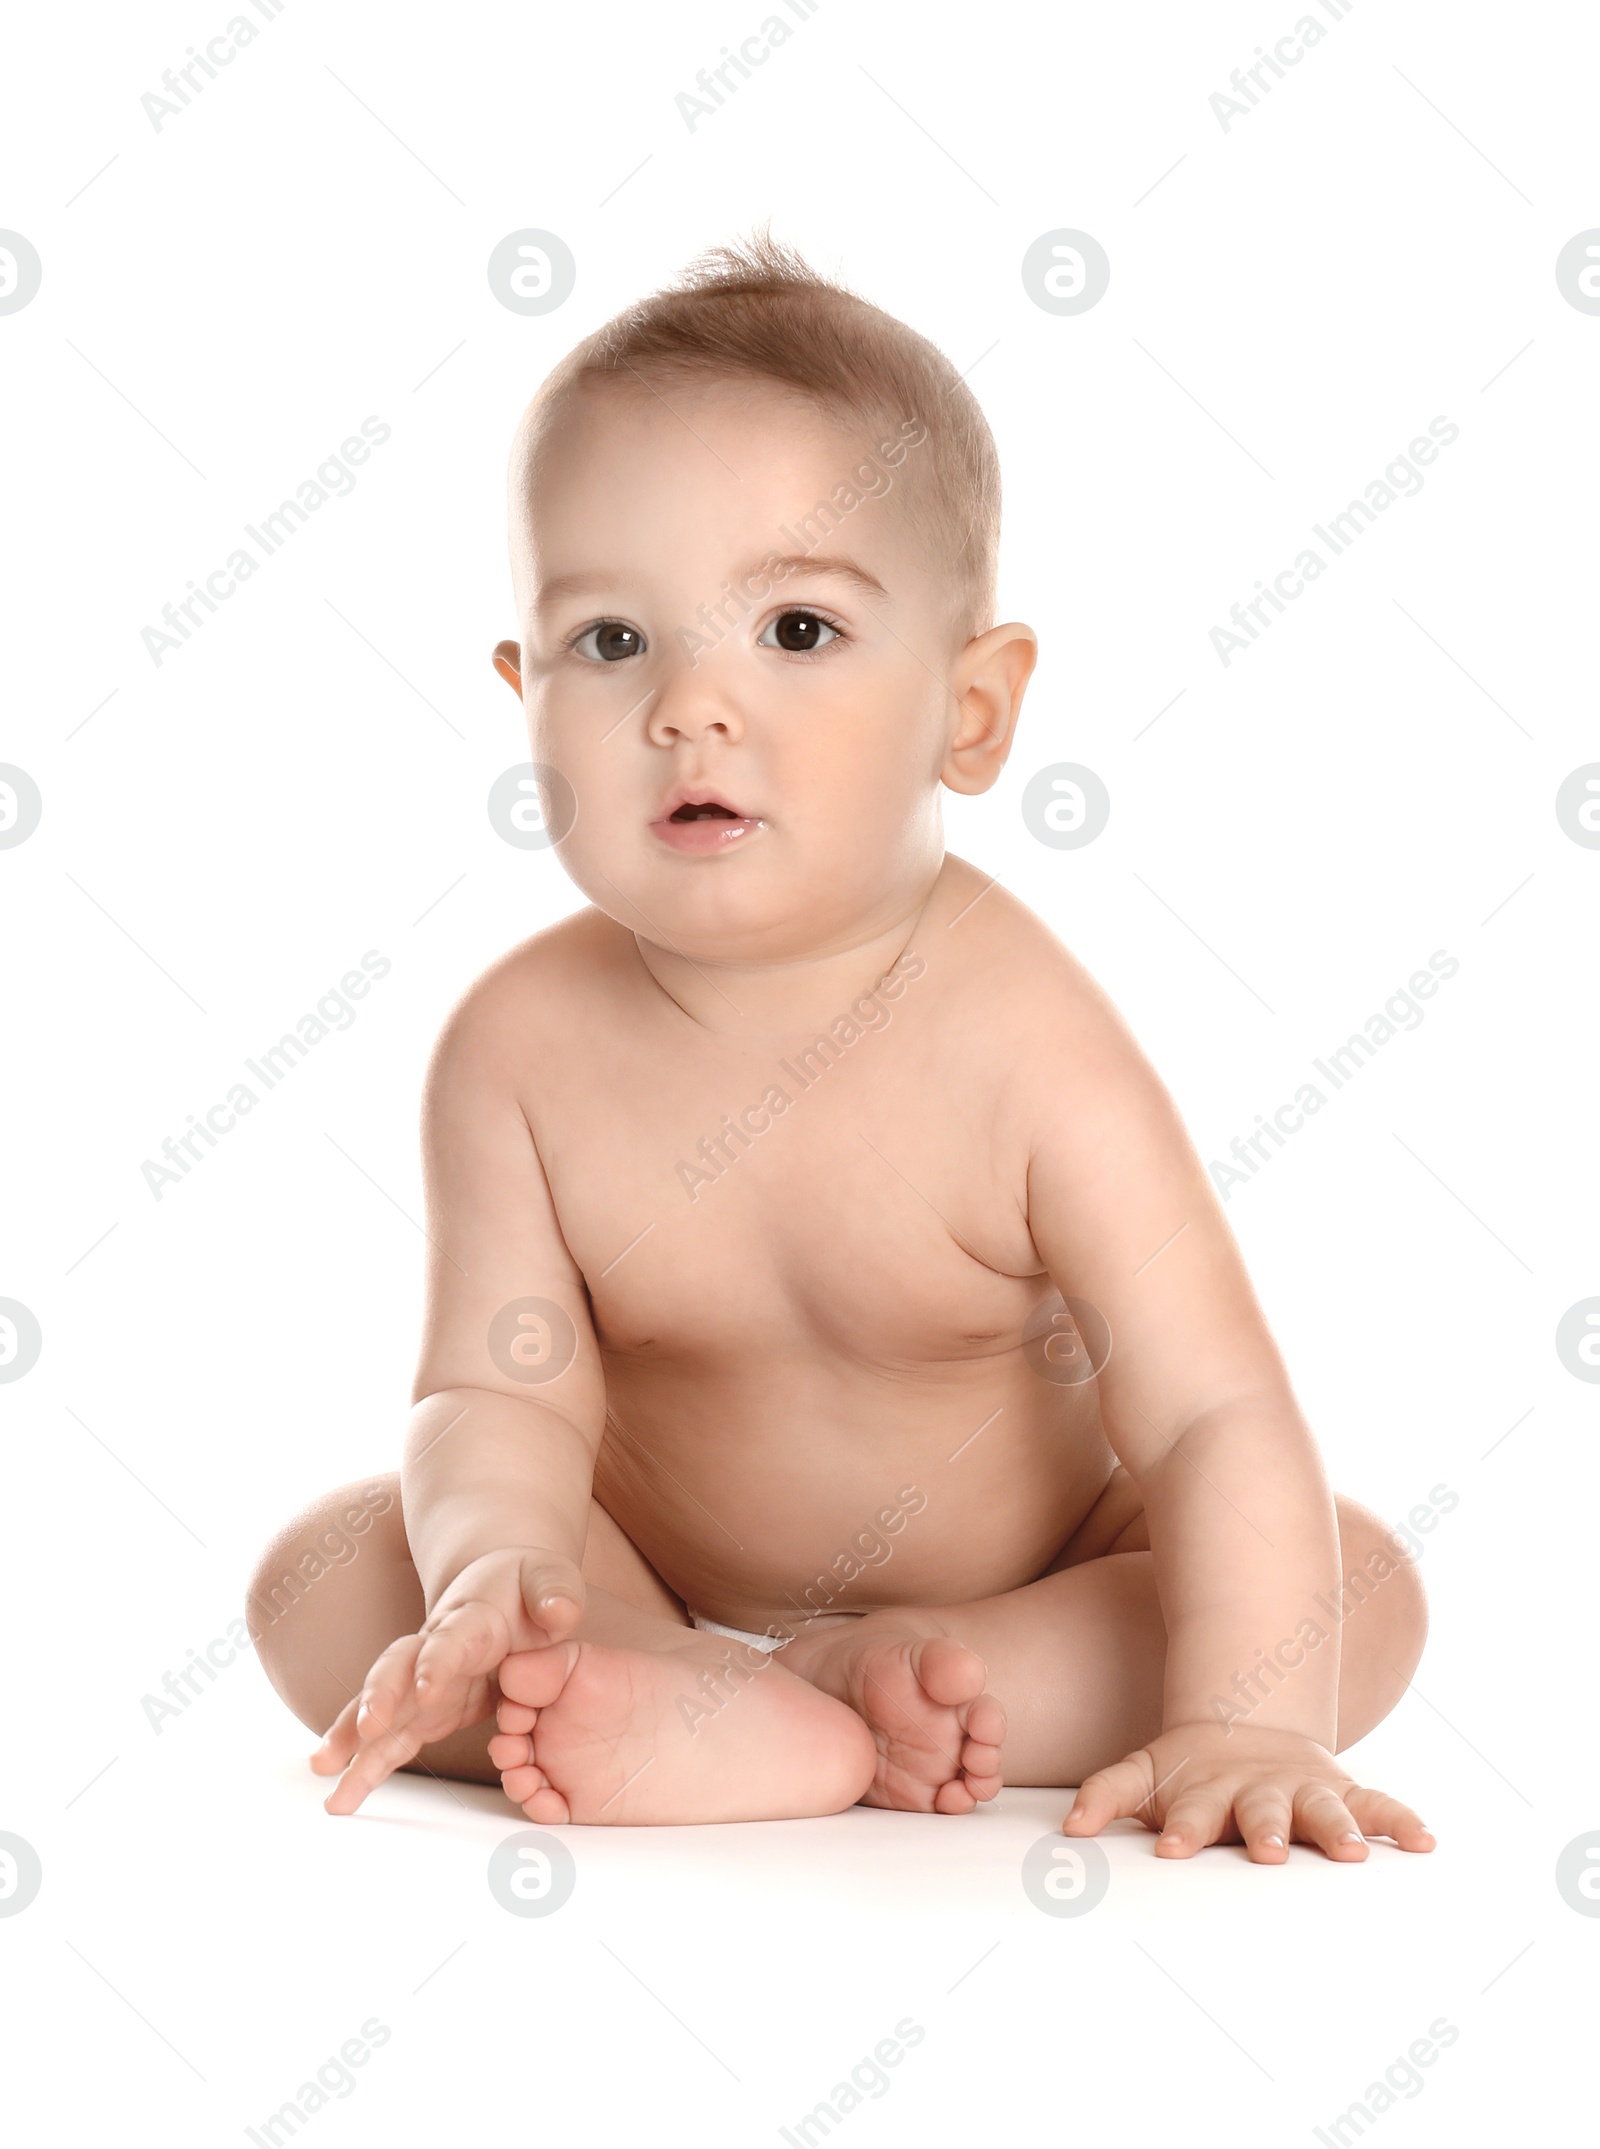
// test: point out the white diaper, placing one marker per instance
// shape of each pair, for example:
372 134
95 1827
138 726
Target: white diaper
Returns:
770 1642
767 1642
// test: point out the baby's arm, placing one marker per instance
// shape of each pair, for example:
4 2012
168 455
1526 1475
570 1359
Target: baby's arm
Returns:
496 1476
1199 1408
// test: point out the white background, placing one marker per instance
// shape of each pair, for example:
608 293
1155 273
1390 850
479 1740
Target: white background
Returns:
224 835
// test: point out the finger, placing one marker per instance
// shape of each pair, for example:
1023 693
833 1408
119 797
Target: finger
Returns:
1381 1815
339 1742
553 1596
374 1764
1110 1794
387 1692
1264 1816
1194 1819
467 1643
1322 1817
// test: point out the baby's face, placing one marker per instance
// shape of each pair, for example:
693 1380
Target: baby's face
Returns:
761 781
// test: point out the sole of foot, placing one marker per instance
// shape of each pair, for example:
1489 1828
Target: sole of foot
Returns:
937 1731
627 1737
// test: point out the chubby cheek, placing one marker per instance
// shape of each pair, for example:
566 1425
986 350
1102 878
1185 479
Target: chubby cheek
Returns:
872 809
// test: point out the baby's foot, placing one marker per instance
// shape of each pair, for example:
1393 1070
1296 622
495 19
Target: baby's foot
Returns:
595 1734
937 1732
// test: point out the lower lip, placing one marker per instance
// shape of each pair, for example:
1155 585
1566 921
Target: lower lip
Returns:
699 838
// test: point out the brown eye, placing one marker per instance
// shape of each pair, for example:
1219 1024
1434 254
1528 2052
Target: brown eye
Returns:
799 632
610 641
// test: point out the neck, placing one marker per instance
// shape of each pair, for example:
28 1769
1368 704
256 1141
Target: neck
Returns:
754 1001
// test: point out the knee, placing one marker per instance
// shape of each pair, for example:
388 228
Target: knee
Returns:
305 1587
1385 1620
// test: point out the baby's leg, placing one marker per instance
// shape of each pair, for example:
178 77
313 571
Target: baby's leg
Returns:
1077 1658
641 1719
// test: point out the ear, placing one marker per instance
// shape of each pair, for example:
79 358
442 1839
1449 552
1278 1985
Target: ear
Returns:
989 680
508 663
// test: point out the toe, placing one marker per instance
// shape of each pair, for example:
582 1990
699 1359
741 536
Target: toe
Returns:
511 1749
986 1721
536 1676
516 1716
522 1782
953 1797
983 1788
947 1671
547 1805
979 1758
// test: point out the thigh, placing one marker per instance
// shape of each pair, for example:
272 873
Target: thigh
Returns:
1115 1523
613 1562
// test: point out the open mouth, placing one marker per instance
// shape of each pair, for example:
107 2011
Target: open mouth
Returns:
702 827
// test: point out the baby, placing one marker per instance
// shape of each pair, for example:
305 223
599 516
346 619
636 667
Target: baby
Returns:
838 1382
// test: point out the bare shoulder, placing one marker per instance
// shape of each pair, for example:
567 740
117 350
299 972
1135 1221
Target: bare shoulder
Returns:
539 993
1036 995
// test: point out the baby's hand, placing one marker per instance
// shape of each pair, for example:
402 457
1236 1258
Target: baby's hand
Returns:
440 1680
1200 1784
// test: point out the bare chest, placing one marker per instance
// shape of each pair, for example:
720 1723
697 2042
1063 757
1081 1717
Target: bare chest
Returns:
855 1197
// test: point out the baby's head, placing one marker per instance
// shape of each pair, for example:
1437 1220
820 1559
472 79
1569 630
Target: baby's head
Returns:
754 523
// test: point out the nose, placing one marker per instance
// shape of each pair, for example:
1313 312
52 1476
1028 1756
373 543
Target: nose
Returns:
693 704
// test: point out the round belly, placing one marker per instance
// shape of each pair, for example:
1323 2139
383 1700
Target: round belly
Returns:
810 1492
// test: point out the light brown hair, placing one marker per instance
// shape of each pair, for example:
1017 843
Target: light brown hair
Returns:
756 310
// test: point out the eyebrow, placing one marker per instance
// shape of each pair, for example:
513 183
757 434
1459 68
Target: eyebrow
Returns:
822 563
573 585
794 565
